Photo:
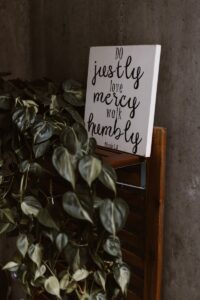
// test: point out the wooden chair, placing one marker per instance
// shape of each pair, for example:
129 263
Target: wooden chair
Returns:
141 184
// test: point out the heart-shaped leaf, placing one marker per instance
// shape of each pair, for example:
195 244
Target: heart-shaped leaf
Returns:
80 274
40 272
24 166
64 282
5 102
113 214
112 246
61 241
73 93
11 266
108 177
40 149
74 114
122 276
42 131
8 213
100 278
30 103
89 168
52 286
36 169
45 219
98 296
73 206
22 244
74 98
91 147
31 206
69 140
24 117
4 227
35 254
81 133
63 164
71 287
71 84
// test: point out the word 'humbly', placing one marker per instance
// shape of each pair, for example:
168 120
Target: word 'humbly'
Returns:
115 131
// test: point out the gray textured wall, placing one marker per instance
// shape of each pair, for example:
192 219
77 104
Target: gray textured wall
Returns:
52 38
15 49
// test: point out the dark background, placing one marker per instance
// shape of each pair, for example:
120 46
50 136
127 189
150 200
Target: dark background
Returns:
52 38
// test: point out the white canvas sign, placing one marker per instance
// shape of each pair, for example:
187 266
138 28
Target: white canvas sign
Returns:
121 95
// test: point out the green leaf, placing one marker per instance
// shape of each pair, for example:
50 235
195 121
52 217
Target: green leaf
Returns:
42 131
113 214
31 206
75 261
61 241
112 246
98 296
97 202
6 227
52 286
73 206
64 282
81 132
24 166
71 287
122 276
97 260
11 266
9 215
30 103
46 220
5 102
54 106
36 169
49 234
24 277
40 272
80 274
74 114
35 254
24 117
69 140
108 177
73 93
100 278
91 146
89 168
22 244
69 85
63 164
74 98
40 149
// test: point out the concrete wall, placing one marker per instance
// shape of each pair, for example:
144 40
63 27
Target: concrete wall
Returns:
15 55
61 33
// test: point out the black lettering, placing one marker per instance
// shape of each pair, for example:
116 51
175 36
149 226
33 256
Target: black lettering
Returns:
134 138
138 77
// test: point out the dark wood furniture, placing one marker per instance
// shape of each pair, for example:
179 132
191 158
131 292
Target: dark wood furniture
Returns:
141 184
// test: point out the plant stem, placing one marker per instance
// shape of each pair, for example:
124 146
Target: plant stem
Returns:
49 269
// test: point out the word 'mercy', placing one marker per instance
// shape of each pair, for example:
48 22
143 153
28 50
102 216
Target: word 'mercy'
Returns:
128 71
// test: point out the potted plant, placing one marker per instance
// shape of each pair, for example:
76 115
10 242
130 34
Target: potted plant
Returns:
57 197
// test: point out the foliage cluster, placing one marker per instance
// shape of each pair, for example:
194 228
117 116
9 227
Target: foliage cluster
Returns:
51 198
